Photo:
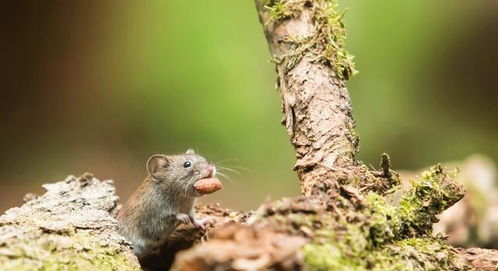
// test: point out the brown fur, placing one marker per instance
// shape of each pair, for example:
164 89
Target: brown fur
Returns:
163 200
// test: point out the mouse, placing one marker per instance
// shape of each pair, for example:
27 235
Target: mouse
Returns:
165 199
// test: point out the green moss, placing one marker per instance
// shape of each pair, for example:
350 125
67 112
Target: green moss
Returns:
328 257
280 10
385 222
429 196
328 42
408 254
353 250
417 210
416 254
335 38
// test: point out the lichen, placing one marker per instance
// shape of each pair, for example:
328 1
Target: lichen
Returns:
328 42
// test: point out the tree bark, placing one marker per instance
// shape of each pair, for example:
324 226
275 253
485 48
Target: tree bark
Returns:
70 226
317 111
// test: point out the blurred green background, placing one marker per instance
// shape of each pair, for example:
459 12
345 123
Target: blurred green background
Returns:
99 86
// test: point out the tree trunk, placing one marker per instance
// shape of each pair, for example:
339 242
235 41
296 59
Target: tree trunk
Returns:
312 69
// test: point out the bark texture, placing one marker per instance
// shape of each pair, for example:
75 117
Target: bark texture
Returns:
317 111
70 227
481 259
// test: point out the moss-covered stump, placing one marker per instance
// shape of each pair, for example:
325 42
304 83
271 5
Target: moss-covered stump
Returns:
70 227
349 229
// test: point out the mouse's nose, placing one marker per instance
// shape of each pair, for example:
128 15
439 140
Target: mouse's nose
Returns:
211 170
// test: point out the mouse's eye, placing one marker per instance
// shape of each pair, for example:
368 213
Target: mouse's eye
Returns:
187 164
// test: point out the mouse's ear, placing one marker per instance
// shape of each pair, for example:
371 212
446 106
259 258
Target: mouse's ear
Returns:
156 162
190 151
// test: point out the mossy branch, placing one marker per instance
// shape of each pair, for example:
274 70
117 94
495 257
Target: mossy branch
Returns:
307 43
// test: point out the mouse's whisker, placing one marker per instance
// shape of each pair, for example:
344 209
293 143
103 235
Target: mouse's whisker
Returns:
230 169
226 160
224 176
237 167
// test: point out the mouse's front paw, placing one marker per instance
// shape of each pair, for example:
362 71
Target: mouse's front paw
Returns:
202 223
183 218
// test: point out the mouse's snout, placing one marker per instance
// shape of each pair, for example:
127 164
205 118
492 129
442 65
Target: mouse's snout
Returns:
211 170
